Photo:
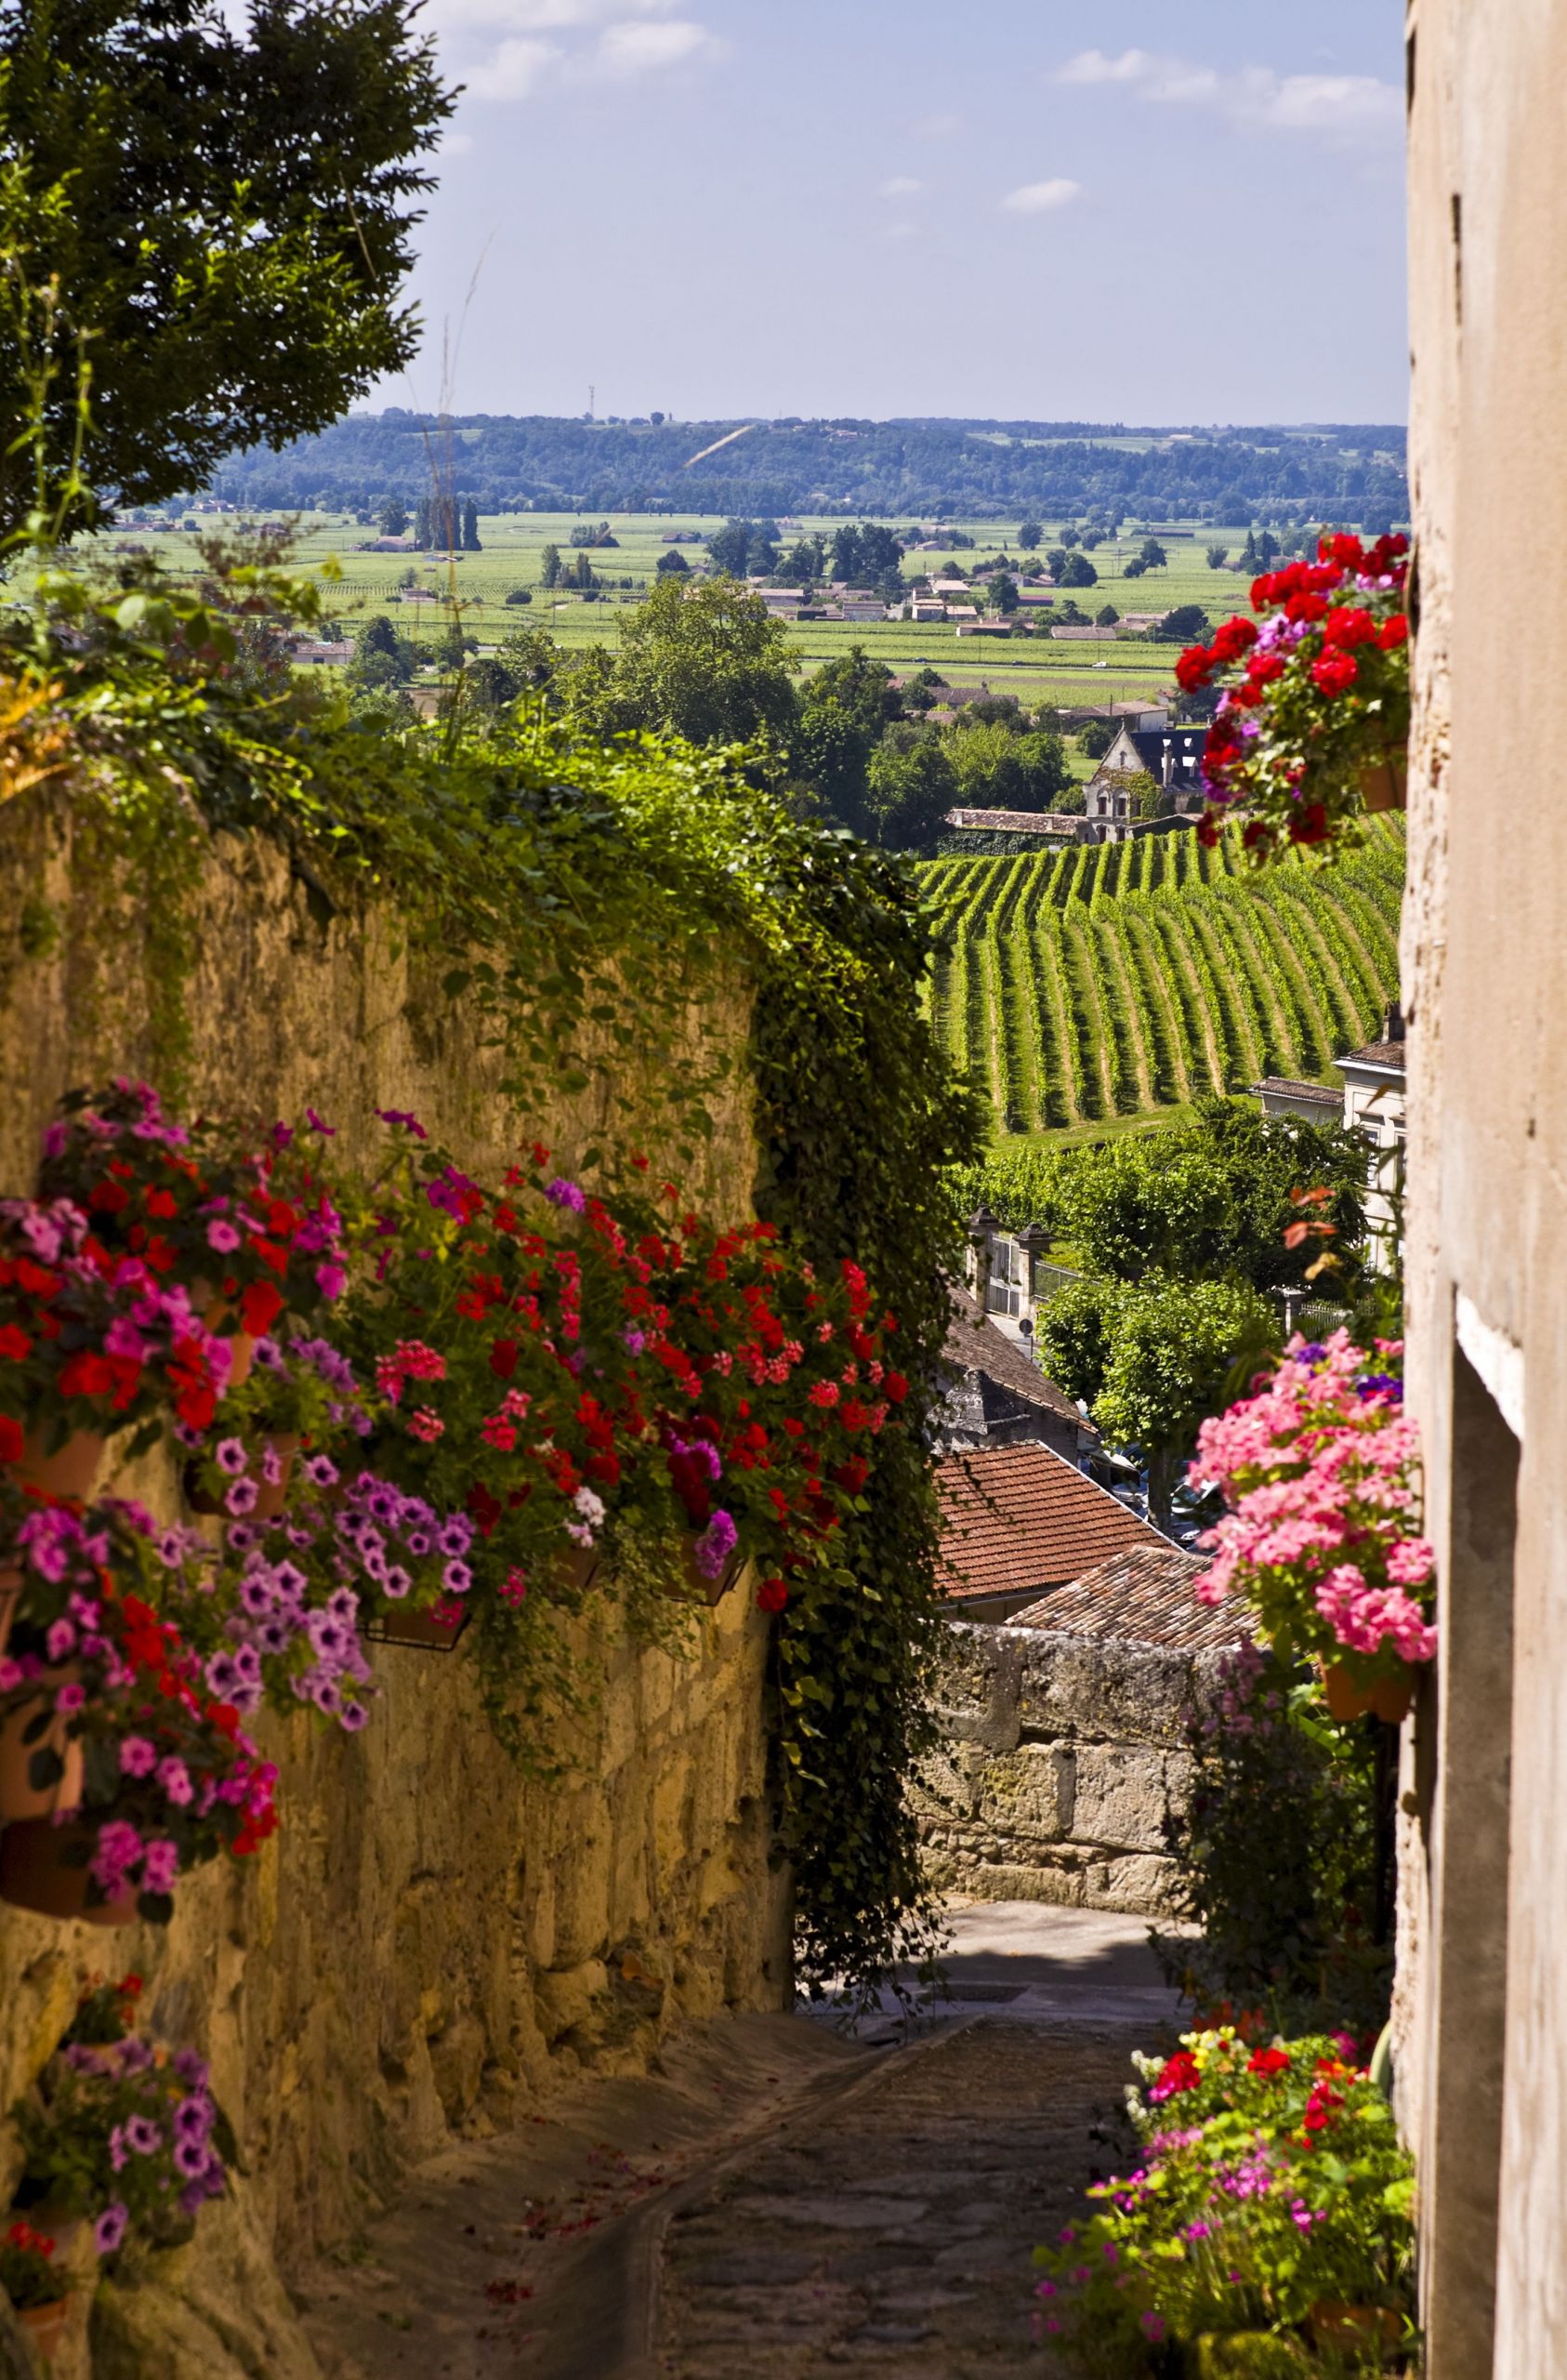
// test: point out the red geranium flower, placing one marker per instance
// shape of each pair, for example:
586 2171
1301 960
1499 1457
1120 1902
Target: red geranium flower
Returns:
1334 672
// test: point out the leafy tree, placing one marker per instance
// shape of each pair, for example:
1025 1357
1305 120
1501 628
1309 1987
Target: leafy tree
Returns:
520 595
1107 616
865 687
804 563
580 572
1076 570
1151 554
530 657
1073 1334
1217 557
1206 1198
381 656
706 661
1150 799
1095 740
490 685
865 553
393 517
1173 1346
911 793
471 528
1188 624
830 752
377 636
1135 568
226 207
1004 594
672 564
1029 536
741 547
549 566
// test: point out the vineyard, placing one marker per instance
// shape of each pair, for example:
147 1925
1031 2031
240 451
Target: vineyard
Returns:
1115 978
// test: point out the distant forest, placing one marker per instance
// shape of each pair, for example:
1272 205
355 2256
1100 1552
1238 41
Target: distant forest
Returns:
1349 473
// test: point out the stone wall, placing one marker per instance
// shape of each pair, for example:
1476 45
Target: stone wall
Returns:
431 1940
1062 1757
1481 2015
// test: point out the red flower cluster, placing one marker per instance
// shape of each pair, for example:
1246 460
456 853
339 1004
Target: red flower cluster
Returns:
1333 629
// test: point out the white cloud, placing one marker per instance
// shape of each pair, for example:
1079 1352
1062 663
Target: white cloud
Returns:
939 128
900 186
535 16
516 70
1344 107
624 51
1039 198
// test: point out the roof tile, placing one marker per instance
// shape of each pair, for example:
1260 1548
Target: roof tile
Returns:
1142 1597
1020 1517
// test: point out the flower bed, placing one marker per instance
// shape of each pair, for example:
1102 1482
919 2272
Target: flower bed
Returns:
1320 1472
1313 720
1269 2214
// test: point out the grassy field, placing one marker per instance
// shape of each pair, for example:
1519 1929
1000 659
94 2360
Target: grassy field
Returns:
1112 981
1036 669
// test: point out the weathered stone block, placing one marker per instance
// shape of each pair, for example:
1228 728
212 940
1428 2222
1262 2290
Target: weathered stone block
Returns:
1121 1796
1028 1792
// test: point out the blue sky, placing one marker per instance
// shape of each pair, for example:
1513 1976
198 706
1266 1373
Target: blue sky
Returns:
1133 210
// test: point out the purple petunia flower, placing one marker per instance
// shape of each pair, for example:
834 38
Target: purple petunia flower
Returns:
230 1457
110 2229
561 1192
240 1497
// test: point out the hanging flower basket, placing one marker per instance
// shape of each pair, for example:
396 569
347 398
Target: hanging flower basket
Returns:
436 1629
48 1869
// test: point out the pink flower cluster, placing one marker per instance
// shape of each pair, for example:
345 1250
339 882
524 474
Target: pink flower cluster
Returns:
1320 1470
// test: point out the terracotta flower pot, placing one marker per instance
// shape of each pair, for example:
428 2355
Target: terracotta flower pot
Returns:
10 1596
214 1312
1390 1699
35 1874
21 1738
1384 783
1345 1700
45 2327
71 1470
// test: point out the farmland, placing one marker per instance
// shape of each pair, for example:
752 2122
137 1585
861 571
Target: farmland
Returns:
1035 668
1114 980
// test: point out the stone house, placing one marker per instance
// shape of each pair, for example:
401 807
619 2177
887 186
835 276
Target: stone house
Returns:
1171 756
997 1395
1480 2043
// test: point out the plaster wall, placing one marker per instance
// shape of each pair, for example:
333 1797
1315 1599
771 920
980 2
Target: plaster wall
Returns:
1481 2013
431 1941
1060 1762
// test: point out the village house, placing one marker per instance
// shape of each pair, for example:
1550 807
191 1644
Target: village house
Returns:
1171 756
997 1395
1372 1104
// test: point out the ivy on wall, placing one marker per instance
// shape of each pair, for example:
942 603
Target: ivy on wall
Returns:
578 896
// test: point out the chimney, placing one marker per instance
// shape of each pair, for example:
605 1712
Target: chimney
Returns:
1393 1023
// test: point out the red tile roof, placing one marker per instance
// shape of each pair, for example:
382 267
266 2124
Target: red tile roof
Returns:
1143 1596
1019 1519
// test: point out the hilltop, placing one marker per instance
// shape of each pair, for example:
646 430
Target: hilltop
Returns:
1350 473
